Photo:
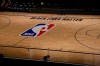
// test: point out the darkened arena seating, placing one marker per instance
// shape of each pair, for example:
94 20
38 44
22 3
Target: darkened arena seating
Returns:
52 6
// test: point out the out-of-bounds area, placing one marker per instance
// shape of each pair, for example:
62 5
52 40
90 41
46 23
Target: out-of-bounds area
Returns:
6 61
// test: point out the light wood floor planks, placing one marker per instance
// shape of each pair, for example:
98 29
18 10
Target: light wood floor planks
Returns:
68 41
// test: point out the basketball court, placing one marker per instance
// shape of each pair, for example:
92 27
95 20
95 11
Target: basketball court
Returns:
73 39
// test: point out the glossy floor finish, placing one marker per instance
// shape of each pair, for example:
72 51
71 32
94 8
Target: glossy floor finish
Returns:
73 39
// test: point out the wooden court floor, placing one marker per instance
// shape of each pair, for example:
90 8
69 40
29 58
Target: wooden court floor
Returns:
73 39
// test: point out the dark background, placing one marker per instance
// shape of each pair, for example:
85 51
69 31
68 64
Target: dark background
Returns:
54 4
18 62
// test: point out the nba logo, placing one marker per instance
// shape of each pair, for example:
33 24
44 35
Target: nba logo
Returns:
38 30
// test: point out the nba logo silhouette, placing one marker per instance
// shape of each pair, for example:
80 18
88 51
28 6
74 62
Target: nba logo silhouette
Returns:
38 30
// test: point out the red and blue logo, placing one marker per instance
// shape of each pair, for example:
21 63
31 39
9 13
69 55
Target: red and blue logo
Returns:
38 30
